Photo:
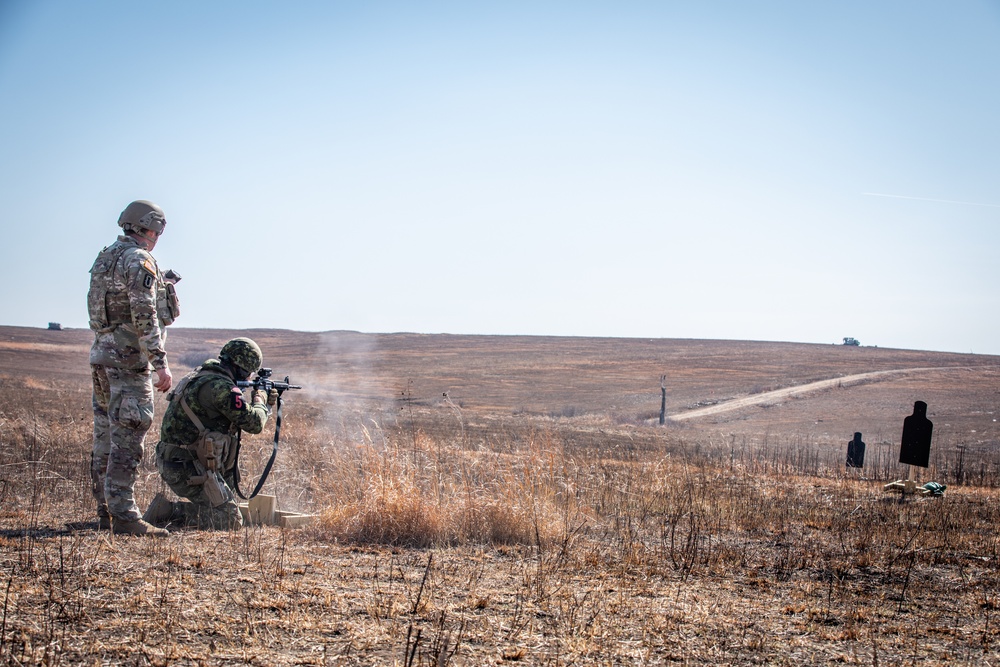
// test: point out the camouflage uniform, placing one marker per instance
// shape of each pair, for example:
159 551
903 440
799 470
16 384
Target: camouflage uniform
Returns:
130 305
213 397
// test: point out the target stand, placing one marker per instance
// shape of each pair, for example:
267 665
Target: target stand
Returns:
260 511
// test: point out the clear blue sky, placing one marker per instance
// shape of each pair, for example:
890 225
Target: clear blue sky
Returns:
714 169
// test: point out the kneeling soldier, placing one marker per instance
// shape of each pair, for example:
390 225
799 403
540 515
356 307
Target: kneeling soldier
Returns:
197 452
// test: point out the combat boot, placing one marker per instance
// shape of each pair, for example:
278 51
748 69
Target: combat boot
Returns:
160 510
137 527
103 518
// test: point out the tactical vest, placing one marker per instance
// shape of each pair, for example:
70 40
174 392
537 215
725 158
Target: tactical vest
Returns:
108 299
215 450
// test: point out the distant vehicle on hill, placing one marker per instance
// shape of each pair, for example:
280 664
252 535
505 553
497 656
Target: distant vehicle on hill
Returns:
851 341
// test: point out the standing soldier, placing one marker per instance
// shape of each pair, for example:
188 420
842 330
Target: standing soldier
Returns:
197 455
131 303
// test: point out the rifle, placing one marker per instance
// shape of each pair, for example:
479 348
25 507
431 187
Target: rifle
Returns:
262 382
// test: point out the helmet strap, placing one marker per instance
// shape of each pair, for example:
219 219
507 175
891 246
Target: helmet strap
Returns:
143 237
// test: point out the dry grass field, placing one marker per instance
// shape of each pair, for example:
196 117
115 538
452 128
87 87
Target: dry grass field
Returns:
513 500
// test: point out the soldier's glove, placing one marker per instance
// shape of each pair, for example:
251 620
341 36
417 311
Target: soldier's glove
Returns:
258 397
272 397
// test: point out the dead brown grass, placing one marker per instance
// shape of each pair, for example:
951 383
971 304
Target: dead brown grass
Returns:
455 534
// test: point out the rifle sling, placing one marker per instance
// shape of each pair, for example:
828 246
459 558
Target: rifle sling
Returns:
270 461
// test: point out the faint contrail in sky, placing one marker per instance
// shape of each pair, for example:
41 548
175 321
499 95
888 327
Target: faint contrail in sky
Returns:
944 201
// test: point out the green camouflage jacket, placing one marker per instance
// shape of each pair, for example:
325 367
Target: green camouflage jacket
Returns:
213 397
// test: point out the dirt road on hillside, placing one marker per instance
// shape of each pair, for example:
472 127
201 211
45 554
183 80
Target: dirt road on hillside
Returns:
790 392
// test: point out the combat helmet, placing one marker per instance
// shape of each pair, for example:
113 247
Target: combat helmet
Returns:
242 353
142 214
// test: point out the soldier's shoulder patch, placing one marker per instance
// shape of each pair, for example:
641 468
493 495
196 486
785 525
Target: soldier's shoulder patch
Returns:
236 398
145 268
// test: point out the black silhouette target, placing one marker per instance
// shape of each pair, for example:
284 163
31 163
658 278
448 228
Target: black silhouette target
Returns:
915 449
856 452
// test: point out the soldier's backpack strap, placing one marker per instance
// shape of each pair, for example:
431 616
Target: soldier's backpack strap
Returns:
179 388
193 417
